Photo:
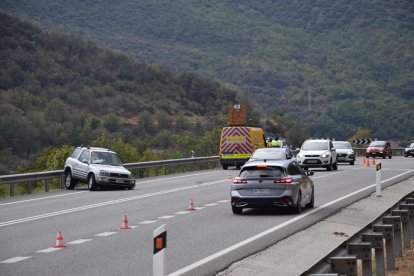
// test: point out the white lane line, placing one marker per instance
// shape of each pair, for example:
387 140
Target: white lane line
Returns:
148 222
271 230
40 198
105 234
117 201
14 260
80 241
133 226
210 204
199 208
182 212
166 217
49 250
175 177
223 201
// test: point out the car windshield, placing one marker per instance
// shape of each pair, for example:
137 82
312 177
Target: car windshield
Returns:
377 144
269 154
105 158
342 145
315 145
255 172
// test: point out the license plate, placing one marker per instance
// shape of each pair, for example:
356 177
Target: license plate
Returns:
119 181
312 161
261 191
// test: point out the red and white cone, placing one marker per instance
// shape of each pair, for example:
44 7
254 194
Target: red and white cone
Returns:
59 240
367 164
373 162
125 223
364 161
191 205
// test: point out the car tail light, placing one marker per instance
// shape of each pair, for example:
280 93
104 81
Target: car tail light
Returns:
261 166
286 180
239 181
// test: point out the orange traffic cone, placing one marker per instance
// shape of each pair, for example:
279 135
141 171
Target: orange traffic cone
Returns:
229 176
373 161
125 223
59 240
364 161
367 164
191 205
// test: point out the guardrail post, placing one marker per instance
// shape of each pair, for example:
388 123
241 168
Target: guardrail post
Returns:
410 208
387 232
46 185
11 189
147 172
396 222
30 188
405 225
344 265
165 170
363 252
376 240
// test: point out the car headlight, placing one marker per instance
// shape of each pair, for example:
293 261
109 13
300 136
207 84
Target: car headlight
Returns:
104 173
300 155
324 155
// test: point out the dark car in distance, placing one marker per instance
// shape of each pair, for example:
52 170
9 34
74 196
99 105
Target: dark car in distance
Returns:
379 149
275 183
409 151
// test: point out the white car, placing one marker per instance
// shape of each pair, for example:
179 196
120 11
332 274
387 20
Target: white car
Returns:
318 153
345 152
96 167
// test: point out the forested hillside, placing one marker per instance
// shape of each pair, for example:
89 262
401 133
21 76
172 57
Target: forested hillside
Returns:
57 90
338 66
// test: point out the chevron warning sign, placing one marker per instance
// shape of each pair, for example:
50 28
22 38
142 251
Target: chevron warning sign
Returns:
363 141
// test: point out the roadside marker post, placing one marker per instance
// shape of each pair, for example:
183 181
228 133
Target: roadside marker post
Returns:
378 179
160 243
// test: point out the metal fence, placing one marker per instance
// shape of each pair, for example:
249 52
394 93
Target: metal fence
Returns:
54 179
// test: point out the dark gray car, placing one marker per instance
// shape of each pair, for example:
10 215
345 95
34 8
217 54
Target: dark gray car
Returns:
282 183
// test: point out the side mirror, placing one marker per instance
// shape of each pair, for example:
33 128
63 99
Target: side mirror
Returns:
85 161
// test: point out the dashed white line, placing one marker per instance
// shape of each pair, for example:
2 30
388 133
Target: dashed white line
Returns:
148 222
223 201
165 217
210 204
182 212
80 241
14 260
105 234
49 250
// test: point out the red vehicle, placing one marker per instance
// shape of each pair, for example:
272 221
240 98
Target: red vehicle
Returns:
379 148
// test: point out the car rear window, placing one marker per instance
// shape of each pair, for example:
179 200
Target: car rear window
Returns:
255 172
377 144
269 155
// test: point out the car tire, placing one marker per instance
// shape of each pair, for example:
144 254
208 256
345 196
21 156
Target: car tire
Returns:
225 167
335 166
390 156
297 209
237 210
329 167
70 183
131 187
312 202
352 163
238 166
92 183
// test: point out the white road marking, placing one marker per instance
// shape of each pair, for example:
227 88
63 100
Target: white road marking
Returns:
80 241
105 234
133 226
49 250
14 260
182 212
199 208
148 222
223 201
166 217
210 204
271 230
116 201
40 198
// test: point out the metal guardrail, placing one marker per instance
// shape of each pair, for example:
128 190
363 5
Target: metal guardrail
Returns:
141 169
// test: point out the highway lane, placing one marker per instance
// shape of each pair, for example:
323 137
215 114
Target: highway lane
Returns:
192 236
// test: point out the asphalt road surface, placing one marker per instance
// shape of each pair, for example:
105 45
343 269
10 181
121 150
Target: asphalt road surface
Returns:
208 239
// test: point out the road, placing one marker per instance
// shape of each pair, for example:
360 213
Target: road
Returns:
90 223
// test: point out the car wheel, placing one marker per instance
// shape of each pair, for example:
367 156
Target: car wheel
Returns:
236 210
298 208
312 202
390 156
92 183
238 166
131 187
329 167
70 183
352 163
335 166
225 167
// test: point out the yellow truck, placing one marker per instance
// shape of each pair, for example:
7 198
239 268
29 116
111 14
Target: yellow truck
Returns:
237 143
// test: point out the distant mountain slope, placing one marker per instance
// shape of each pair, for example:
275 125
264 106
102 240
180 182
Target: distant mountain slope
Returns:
352 62
55 90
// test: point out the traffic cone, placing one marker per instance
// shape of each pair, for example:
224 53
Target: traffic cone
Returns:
367 164
373 161
228 176
125 223
191 205
364 161
59 240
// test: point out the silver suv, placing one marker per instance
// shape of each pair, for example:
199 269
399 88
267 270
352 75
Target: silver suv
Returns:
318 153
96 167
